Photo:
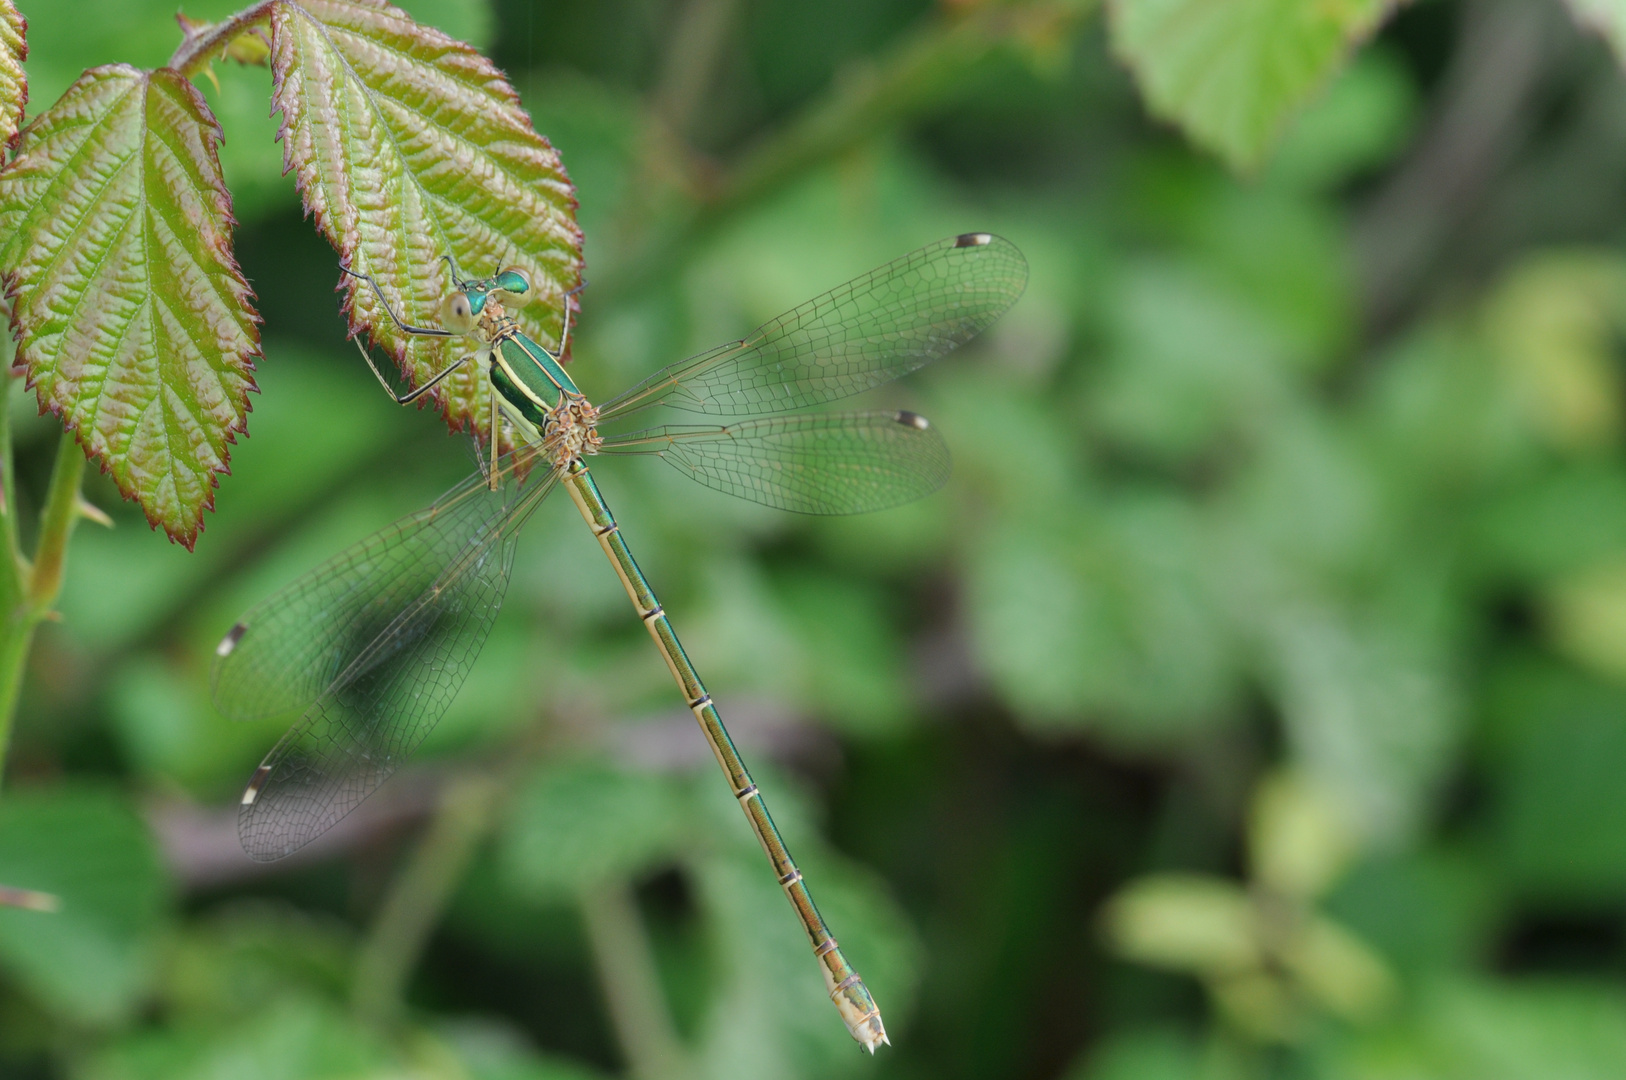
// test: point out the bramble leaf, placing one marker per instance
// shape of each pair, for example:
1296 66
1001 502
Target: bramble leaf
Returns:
1231 74
13 80
134 323
408 145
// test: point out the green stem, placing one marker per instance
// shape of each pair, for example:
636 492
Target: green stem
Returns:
57 520
922 72
197 53
28 597
418 897
12 564
692 53
631 984
925 70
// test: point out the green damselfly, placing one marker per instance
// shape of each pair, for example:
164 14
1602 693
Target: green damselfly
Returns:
373 645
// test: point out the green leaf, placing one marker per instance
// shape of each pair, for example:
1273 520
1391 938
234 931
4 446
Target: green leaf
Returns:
408 145
1147 1053
1100 615
13 79
1494 1030
1424 911
579 824
1184 922
298 1038
1191 366
1371 710
1586 611
1561 810
134 322
771 1013
492 1050
1299 838
1607 18
239 960
1555 319
1362 121
1232 73
93 958
1556 523
1339 970
1530 1031
852 671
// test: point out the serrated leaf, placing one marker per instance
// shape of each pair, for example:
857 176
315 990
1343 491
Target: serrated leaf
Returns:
1231 72
133 320
92 958
408 145
13 80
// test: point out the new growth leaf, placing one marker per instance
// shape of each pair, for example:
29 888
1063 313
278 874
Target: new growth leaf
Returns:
133 320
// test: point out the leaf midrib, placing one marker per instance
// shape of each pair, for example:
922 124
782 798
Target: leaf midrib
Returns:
388 127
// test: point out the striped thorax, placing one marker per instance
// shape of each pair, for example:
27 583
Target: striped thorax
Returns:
530 386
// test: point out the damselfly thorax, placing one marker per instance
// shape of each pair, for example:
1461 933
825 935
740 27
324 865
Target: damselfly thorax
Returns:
528 384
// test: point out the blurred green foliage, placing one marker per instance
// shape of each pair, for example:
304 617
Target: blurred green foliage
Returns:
1251 704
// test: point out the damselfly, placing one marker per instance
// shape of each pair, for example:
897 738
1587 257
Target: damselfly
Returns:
374 644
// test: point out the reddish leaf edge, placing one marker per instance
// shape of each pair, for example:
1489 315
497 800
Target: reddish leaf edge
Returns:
22 103
346 285
221 199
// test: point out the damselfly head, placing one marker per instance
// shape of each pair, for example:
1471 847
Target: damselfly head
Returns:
514 285
457 312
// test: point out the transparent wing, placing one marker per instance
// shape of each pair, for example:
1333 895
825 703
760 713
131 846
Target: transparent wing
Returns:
825 463
424 595
290 647
871 330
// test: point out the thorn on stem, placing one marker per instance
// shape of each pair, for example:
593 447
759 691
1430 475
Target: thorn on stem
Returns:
91 512
28 899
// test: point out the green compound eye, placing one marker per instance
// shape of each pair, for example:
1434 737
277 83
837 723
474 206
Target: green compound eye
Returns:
516 283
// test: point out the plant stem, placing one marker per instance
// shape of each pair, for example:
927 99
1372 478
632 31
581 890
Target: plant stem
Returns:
12 564
692 54
196 53
924 70
631 984
57 520
29 591
418 896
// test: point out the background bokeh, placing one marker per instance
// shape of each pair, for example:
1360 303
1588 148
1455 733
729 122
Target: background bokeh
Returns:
1252 703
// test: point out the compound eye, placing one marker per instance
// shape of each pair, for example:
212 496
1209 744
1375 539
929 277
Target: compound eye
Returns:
457 313
515 284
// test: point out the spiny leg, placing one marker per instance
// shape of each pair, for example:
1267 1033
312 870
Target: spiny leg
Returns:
413 395
451 266
404 327
564 334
